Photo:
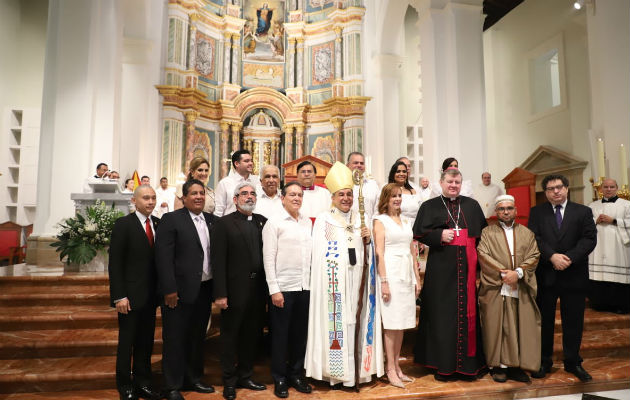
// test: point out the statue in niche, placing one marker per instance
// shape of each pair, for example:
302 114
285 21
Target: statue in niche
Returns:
264 15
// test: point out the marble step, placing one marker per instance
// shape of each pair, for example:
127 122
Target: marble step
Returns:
57 343
598 320
60 317
80 378
53 295
67 279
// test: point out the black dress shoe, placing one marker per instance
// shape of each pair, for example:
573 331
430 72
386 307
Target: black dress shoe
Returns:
249 384
444 378
301 385
499 374
281 389
145 392
199 388
517 374
229 393
173 395
541 373
579 372
127 394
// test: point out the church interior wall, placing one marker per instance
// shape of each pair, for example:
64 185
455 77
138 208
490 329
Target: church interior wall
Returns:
512 132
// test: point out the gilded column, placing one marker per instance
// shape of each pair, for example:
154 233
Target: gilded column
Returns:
226 57
190 117
225 138
338 31
266 153
192 43
288 143
274 152
300 141
236 53
300 62
236 137
291 66
337 124
256 157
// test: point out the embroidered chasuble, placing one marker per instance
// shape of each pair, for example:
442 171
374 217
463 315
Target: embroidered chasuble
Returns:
510 325
335 281
448 338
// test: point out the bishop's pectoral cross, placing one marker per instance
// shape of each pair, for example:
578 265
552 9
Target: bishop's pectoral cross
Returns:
457 229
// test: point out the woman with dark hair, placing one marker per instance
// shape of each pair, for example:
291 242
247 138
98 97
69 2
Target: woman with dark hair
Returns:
398 275
451 162
199 169
399 176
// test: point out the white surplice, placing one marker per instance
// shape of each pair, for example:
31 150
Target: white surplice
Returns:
610 261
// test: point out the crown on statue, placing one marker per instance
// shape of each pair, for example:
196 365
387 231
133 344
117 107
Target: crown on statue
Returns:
339 177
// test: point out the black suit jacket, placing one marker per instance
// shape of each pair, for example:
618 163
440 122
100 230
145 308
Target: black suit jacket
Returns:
132 263
576 238
231 254
179 255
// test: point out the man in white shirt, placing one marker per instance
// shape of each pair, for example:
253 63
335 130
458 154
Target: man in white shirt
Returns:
425 189
242 167
165 198
145 180
485 193
102 172
609 263
371 191
287 260
316 198
269 202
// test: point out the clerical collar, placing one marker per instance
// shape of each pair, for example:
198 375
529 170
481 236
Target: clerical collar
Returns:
243 216
312 187
450 198
611 200
505 226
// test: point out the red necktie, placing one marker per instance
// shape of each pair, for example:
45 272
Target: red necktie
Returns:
147 226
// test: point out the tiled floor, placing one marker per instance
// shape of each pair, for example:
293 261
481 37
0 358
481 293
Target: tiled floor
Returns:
611 394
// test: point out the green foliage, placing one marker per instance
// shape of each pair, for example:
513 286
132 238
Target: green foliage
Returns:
81 237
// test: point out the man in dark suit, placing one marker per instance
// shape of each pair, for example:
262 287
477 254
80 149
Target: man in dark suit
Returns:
132 280
239 288
566 234
182 253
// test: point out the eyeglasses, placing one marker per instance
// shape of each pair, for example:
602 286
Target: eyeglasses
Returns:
253 194
554 188
504 209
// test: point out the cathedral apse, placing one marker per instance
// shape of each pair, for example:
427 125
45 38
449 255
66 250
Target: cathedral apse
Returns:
295 62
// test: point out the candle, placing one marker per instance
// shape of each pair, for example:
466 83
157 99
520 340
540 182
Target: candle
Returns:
624 165
601 165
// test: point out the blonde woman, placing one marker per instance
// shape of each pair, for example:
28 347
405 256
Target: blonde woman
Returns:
200 170
398 275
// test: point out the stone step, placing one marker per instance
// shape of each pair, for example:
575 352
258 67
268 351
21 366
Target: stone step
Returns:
57 343
67 279
598 320
79 379
54 295
60 317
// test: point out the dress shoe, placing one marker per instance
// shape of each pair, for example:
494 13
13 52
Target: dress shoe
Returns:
250 384
579 372
145 392
229 393
517 374
444 378
499 374
281 389
301 385
127 394
173 395
541 373
199 388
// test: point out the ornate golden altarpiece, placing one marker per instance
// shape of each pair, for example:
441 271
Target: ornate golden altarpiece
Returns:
282 79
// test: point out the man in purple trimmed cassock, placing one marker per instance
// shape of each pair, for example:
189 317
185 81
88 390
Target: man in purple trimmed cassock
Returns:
448 339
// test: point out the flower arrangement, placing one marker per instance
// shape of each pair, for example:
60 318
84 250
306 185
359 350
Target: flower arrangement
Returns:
81 237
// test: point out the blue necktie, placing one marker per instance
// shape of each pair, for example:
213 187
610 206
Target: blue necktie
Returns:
559 215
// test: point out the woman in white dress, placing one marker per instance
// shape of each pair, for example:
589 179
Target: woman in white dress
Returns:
398 275
410 205
200 170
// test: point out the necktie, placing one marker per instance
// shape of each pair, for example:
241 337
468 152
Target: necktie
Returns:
147 227
203 237
558 216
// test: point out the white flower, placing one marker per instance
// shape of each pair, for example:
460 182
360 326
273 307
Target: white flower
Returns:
90 227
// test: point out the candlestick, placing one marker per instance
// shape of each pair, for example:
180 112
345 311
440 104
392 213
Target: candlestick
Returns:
624 165
601 164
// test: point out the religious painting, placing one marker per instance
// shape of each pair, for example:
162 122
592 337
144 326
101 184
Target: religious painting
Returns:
314 5
201 144
323 147
205 55
267 75
322 71
263 32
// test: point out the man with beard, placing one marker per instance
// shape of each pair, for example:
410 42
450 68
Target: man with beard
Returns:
448 338
240 288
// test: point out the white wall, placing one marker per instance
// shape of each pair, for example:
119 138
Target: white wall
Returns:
512 137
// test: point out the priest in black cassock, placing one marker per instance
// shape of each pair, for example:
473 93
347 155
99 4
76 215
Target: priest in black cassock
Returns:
448 338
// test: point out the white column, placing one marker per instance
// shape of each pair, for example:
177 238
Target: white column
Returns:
226 57
608 30
338 32
300 62
453 86
291 66
236 53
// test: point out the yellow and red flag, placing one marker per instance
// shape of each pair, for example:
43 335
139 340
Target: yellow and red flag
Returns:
136 179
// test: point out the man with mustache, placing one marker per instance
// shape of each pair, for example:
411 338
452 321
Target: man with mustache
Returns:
240 288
